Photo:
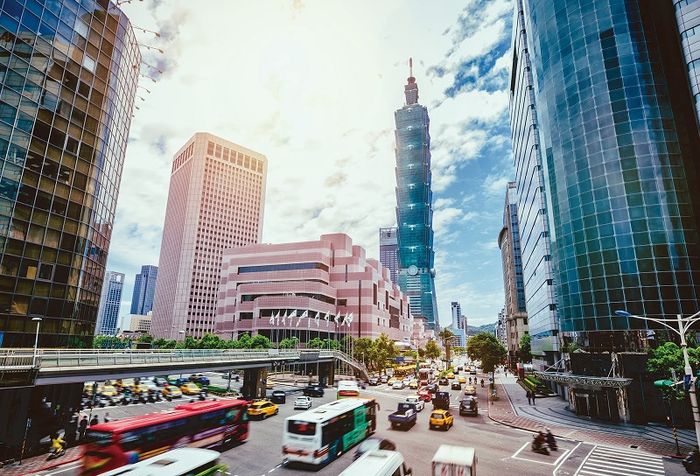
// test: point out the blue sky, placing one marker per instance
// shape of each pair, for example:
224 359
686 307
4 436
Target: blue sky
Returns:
313 85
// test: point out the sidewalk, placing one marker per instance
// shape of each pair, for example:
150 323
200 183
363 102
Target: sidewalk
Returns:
36 464
513 410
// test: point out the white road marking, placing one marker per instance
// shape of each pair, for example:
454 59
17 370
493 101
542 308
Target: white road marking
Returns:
555 463
554 473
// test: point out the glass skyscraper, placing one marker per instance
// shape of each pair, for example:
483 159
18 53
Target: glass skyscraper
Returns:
616 129
144 290
389 251
110 302
414 212
68 78
688 19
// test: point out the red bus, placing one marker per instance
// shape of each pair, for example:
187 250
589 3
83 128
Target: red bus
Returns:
200 424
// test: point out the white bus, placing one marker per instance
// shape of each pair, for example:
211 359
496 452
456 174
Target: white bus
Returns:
178 462
347 388
320 435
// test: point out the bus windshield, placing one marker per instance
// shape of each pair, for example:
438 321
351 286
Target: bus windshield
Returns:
301 428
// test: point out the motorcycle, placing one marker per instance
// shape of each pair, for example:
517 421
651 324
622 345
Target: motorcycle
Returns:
57 452
551 442
691 463
538 445
482 383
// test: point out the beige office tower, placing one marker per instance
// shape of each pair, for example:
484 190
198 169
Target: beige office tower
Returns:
216 201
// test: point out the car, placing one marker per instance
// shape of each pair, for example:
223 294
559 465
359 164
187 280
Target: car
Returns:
302 402
373 381
313 391
373 443
171 391
190 388
383 379
413 384
419 404
392 381
262 409
160 381
141 389
472 371
407 381
462 379
200 379
456 385
450 375
469 406
433 388
470 390
398 385
441 419
425 395
178 382
109 391
278 396
443 381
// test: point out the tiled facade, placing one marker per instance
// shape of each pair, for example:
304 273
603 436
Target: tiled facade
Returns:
69 71
389 251
110 302
318 282
688 19
144 290
216 201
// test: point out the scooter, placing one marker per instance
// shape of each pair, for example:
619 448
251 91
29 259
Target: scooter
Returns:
57 453
539 447
551 442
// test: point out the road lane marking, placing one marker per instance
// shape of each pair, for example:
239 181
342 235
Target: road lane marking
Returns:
554 473
515 456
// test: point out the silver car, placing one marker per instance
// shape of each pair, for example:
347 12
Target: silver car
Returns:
303 403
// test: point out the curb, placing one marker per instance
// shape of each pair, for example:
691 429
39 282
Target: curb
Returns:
43 468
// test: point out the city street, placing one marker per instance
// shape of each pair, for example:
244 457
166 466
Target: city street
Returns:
499 449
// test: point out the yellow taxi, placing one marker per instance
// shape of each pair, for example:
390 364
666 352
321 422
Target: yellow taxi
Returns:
470 390
190 388
171 391
140 388
262 409
392 380
109 391
125 384
462 379
413 384
450 375
441 419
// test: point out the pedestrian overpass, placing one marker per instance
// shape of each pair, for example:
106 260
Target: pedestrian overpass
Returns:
24 368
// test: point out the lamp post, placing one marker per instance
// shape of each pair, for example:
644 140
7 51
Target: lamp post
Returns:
36 339
683 323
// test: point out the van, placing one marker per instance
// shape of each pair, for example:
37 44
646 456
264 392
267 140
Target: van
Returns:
378 463
450 460
348 388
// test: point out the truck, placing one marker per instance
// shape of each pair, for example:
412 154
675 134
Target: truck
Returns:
451 460
441 401
405 416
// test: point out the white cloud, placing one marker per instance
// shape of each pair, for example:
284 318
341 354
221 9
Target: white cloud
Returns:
495 185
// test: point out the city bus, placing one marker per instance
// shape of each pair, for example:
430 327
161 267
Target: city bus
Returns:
205 424
320 435
347 388
177 462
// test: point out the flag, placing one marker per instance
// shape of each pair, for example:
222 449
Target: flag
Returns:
336 319
317 318
348 319
300 317
284 319
278 318
272 319
327 319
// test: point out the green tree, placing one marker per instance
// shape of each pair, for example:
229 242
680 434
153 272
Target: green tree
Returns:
525 353
432 350
486 348
385 349
421 352
259 341
669 356
331 344
363 350
162 343
245 341
315 343
145 339
289 343
110 342
210 341
447 337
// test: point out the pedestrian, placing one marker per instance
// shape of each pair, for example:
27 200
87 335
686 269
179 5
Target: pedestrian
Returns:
82 428
533 399
94 420
71 429
529 397
107 418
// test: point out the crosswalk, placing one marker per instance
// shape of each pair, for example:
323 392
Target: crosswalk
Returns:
606 461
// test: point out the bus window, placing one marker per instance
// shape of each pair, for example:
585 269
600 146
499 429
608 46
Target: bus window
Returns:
99 438
301 428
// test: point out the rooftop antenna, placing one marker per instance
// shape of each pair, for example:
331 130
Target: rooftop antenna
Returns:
410 67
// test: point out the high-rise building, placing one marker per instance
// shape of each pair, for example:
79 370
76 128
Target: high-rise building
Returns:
620 144
144 290
531 195
69 76
389 251
459 324
688 19
414 210
513 285
110 302
216 201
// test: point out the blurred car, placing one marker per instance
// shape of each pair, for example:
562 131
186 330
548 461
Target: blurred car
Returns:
109 391
263 409
441 419
472 371
141 388
373 443
433 388
407 381
383 379
413 384
200 379
190 388
470 390
415 400
171 391
160 381
469 406
302 402
392 380
424 394
313 391
443 381
373 381
462 379
398 385
456 385
278 396
450 375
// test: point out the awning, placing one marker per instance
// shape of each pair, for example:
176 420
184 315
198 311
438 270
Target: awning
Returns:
586 381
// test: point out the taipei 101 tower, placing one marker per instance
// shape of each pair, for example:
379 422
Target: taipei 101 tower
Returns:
414 212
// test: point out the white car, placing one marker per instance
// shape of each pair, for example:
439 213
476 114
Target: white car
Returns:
420 405
302 402
398 385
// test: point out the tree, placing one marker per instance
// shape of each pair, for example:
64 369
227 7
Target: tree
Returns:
363 350
421 352
289 343
385 349
486 348
162 343
525 353
109 342
315 343
210 341
331 344
260 342
447 338
145 338
669 356
245 341
432 351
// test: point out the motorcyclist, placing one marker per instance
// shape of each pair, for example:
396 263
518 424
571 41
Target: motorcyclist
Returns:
58 445
551 441
538 443
482 383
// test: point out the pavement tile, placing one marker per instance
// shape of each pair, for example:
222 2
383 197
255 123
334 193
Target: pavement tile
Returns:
36 464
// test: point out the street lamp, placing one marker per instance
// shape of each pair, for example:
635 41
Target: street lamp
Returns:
683 323
36 339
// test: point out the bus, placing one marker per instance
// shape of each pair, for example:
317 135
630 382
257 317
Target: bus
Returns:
178 462
347 388
320 435
205 424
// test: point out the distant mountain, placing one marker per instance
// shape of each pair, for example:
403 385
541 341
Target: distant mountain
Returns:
473 330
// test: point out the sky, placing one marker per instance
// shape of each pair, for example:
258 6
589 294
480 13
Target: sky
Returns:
313 85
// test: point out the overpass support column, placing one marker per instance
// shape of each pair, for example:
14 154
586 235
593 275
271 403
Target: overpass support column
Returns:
326 373
254 383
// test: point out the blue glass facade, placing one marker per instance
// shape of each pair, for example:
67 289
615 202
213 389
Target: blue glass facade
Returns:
110 302
144 290
68 78
414 212
620 148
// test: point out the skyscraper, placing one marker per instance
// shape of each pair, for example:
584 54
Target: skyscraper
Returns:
110 301
144 290
414 212
459 324
389 251
69 77
511 259
216 201
620 143
688 19
531 195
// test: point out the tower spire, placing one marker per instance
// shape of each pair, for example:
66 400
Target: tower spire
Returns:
411 87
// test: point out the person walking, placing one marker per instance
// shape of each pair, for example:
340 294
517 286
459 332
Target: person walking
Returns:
107 418
529 397
94 420
533 398
82 428
70 430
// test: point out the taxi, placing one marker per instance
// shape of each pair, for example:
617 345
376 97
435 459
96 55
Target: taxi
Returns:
392 381
262 409
441 419
190 388
413 384
450 375
109 391
462 379
470 390
141 389
171 391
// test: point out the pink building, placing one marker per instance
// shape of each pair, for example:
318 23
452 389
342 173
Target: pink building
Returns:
215 202
323 288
